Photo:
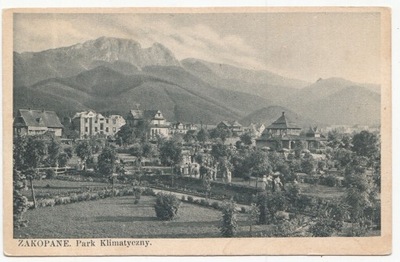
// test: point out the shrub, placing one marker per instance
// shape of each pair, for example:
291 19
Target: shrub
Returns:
50 174
167 206
229 225
324 227
183 198
243 210
269 204
204 202
148 192
215 205
331 181
136 202
190 199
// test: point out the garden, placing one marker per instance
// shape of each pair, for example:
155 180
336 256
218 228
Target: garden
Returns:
109 202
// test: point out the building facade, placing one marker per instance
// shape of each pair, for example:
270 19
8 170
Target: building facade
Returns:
234 126
153 119
283 133
37 122
90 123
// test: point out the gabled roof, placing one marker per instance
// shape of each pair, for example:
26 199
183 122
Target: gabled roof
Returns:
37 118
283 123
152 114
137 114
230 124
235 124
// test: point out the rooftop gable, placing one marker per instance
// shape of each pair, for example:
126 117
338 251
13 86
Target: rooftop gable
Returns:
283 123
38 118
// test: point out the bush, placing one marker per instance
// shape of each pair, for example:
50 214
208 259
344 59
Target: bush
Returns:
204 202
167 206
215 205
50 174
183 198
229 225
190 199
324 227
136 202
269 205
330 180
243 210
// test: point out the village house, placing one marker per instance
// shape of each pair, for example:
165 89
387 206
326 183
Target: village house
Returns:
157 124
90 123
37 122
233 126
181 128
255 129
284 133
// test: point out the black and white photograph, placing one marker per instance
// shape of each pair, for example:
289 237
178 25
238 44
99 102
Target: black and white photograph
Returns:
133 127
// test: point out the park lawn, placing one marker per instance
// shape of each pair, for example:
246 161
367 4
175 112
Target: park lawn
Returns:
321 191
120 218
305 189
46 188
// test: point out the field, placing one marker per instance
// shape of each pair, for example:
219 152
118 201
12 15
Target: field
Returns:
51 187
120 218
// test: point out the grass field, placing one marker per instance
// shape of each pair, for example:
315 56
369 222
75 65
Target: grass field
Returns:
45 187
306 189
119 217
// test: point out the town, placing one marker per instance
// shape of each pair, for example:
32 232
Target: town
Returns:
282 179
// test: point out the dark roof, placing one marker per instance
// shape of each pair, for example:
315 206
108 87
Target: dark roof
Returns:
292 137
151 114
230 124
283 123
37 118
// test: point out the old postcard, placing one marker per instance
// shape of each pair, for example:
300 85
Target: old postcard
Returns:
197 131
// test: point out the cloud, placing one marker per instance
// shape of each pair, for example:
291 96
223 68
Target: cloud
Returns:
40 32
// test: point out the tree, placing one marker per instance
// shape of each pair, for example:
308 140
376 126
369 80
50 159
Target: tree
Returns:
107 164
360 190
19 149
190 136
170 153
220 133
202 136
136 150
84 152
35 153
365 144
148 149
259 164
126 135
343 157
308 164
220 150
229 224
246 139
53 150
20 202
63 159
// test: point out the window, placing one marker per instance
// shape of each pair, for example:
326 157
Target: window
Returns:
114 121
95 129
86 120
101 126
107 120
114 129
86 129
107 129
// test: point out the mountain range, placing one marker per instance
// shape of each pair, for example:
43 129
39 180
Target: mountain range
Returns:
112 74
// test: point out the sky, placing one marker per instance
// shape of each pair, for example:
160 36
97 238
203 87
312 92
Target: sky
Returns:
306 46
